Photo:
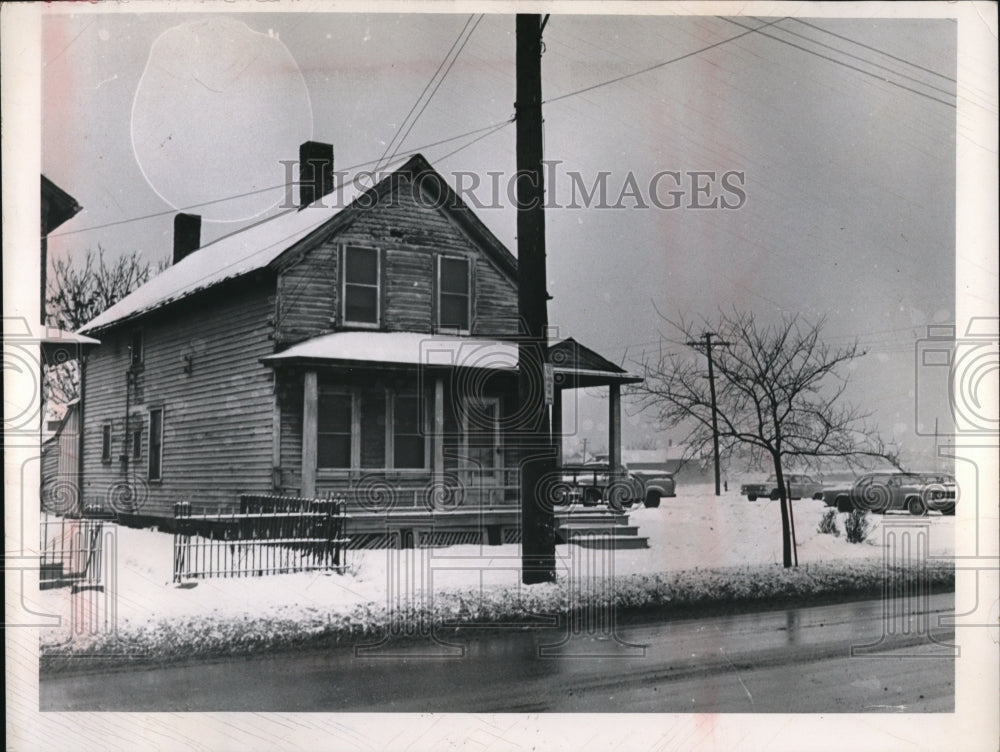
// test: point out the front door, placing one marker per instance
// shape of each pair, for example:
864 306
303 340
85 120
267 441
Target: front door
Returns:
482 451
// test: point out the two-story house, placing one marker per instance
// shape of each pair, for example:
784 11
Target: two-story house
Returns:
363 344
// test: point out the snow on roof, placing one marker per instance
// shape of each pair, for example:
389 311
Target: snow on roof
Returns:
231 256
415 349
403 348
58 337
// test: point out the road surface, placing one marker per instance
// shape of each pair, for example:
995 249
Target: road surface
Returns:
795 660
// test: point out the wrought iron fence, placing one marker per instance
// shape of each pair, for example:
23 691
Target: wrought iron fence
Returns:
268 535
71 550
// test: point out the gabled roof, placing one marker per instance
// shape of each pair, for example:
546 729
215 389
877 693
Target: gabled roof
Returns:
586 367
262 245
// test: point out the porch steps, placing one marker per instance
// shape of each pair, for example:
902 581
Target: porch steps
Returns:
617 542
591 528
601 516
596 529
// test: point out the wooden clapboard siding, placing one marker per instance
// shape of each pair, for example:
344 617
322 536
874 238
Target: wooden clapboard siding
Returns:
410 232
217 418
495 303
290 399
409 278
308 295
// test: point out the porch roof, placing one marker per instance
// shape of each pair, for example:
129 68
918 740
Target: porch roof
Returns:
575 364
59 346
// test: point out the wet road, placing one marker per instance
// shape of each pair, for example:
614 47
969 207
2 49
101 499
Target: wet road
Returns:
797 660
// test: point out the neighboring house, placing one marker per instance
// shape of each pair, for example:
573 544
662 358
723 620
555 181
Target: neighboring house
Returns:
363 345
57 207
59 451
61 462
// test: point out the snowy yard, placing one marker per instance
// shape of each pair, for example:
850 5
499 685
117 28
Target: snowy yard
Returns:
696 530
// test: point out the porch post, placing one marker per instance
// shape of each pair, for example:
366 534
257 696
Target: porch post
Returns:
310 411
614 429
557 425
275 435
438 453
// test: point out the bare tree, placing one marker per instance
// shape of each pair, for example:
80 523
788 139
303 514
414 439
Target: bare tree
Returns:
78 291
779 392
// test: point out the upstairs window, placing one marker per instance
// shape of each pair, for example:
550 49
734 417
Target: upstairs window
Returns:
135 348
454 299
361 286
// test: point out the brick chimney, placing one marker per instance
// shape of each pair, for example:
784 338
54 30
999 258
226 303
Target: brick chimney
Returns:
187 235
315 171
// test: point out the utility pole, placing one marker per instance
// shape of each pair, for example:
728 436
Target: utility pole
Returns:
708 345
537 451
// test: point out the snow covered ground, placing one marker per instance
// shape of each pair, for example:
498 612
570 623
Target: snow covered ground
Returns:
696 530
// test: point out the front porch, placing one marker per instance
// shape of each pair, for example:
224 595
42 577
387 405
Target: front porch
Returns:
419 432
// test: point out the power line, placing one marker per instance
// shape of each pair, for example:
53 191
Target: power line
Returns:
189 207
873 49
708 345
846 65
440 81
389 147
660 65
865 60
479 138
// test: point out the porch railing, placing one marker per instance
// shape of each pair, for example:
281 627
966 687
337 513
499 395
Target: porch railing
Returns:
454 489
268 535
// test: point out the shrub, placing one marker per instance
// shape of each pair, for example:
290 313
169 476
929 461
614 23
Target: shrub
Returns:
857 525
828 525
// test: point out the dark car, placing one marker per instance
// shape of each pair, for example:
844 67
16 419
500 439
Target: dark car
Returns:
915 492
590 484
799 487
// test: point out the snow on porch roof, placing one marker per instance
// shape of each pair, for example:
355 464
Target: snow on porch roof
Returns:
414 349
402 348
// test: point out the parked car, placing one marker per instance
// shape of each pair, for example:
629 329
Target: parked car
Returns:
915 492
589 483
799 487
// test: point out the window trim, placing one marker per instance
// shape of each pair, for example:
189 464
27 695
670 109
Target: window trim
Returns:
159 444
107 442
440 292
345 248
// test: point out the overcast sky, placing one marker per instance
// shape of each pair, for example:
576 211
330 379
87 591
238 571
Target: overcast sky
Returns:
848 176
